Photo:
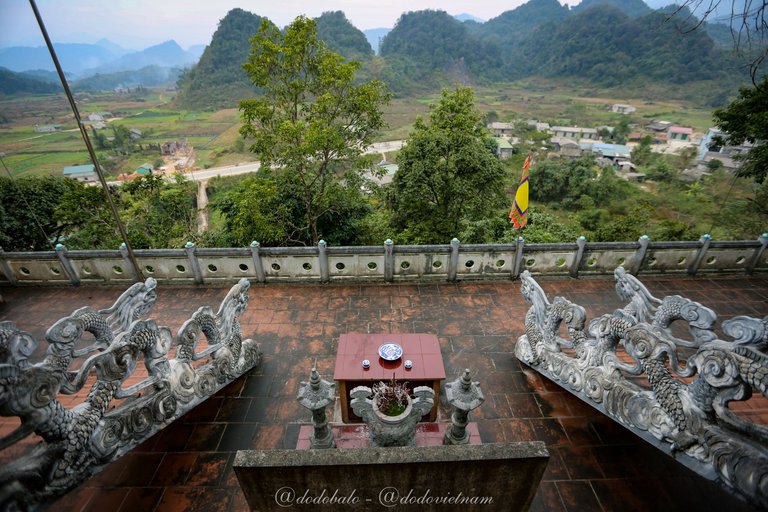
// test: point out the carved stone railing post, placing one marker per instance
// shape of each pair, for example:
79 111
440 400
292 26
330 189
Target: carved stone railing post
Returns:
389 261
322 256
316 395
6 269
258 266
519 258
453 263
763 239
669 387
194 263
464 395
581 242
639 259
704 242
61 253
127 263
114 417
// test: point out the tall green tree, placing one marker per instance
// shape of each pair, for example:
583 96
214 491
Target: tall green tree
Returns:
745 119
448 172
313 121
27 204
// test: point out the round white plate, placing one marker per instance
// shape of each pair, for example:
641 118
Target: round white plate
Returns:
390 351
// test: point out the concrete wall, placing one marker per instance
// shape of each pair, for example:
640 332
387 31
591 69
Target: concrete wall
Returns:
488 477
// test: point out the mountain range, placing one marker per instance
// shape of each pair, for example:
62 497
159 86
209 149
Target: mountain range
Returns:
605 42
82 60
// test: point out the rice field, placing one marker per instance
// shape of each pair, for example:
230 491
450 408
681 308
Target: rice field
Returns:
214 134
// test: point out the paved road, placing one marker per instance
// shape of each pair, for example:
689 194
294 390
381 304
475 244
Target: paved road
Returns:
230 170
246 167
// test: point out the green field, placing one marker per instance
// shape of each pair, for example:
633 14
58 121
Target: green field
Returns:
214 134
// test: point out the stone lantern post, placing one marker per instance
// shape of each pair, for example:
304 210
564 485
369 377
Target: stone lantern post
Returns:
464 395
316 395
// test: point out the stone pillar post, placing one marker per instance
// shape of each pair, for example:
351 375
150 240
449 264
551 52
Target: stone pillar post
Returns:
580 243
639 258
763 239
127 263
453 263
702 252
464 395
519 258
389 261
258 268
316 395
66 264
322 256
194 263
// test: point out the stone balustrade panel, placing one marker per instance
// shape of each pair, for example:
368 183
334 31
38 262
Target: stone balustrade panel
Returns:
291 268
167 269
225 268
476 264
104 269
356 266
550 262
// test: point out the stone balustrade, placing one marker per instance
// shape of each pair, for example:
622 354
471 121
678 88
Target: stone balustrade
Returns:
87 399
387 263
678 390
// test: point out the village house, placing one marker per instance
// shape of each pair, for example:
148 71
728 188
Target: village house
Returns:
574 132
501 129
47 128
680 133
539 127
565 148
613 152
145 169
506 147
658 130
622 108
84 173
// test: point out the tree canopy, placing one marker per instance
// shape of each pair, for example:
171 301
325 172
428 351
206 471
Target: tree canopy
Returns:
313 122
745 119
448 173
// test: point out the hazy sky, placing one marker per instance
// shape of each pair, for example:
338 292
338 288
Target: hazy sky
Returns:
136 24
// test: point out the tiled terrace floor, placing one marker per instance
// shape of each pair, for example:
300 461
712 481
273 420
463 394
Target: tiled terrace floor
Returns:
595 464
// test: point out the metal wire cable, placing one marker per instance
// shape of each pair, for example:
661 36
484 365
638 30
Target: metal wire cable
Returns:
87 140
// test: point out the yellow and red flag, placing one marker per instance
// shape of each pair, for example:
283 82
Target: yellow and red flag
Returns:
518 215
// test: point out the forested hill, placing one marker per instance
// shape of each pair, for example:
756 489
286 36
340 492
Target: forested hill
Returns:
428 43
342 37
607 47
632 8
512 27
218 79
14 83
607 42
